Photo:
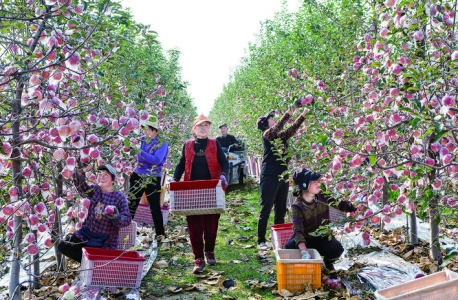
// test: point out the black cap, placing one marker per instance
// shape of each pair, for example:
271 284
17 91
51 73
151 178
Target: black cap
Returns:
262 120
303 178
224 124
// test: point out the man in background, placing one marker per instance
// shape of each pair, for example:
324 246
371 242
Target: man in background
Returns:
225 140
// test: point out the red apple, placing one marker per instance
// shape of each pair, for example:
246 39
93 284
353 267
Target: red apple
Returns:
13 191
29 237
41 228
8 210
94 153
32 249
48 242
109 209
92 138
63 288
33 220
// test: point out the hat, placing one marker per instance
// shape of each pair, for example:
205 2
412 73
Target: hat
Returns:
108 168
303 178
199 120
151 122
222 125
262 120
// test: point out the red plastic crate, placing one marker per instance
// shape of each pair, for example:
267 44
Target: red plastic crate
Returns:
131 231
111 268
143 214
197 197
281 234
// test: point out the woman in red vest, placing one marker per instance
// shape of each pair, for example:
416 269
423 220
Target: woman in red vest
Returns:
202 159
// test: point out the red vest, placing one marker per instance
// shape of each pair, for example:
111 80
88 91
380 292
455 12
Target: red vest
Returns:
210 154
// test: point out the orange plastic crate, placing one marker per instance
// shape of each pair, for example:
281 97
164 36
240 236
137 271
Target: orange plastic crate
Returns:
438 286
281 234
294 273
111 268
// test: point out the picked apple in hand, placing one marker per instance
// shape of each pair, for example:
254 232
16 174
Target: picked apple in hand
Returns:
110 209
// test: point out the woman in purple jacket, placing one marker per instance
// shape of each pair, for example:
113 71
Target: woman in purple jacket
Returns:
148 173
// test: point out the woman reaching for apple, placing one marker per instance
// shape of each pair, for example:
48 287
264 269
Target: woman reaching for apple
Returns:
147 175
107 212
309 211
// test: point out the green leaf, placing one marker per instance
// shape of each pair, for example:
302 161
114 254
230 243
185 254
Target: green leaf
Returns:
323 139
126 143
437 219
450 253
372 159
414 122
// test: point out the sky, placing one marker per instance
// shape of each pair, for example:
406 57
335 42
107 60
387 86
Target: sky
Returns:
212 36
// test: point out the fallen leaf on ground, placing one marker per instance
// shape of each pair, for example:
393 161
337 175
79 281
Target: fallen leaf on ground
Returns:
286 293
174 289
162 264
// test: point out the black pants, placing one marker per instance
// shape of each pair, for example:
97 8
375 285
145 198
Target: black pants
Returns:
274 193
330 249
153 194
72 247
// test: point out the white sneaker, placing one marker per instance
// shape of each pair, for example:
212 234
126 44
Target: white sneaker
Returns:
263 246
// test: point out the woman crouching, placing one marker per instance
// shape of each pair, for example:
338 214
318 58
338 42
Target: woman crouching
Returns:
309 211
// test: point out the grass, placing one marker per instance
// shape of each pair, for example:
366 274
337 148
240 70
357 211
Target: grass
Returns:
238 257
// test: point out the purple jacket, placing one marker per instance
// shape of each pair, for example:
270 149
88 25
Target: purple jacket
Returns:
151 158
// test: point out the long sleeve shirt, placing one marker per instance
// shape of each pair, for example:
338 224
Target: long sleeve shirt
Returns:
226 141
306 220
200 169
96 220
152 157
272 164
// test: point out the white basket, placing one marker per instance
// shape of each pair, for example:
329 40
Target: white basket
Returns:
111 268
438 286
131 231
335 214
165 215
199 197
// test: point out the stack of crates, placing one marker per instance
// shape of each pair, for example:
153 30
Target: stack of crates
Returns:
294 273
280 235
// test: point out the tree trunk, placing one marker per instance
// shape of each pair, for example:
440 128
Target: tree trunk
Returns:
57 226
413 228
434 237
17 181
15 266
36 267
385 198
